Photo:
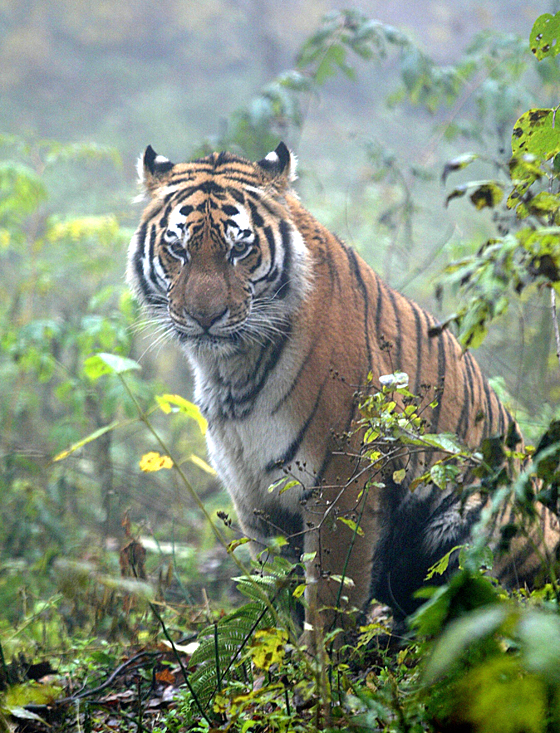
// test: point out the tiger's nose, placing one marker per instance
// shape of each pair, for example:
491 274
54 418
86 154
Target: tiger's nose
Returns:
206 319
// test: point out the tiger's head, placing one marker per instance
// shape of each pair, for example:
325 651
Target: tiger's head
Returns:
217 258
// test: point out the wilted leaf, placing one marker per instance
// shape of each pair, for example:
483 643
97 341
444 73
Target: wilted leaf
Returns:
457 164
487 195
457 192
344 579
237 543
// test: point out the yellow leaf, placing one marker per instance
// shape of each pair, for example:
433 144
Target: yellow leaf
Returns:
353 526
268 647
398 476
202 464
175 403
153 461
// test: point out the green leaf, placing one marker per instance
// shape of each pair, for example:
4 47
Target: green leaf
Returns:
100 364
88 439
290 485
460 634
399 476
175 403
237 543
29 693
445 442
544 36
441 566
536 133
539 633
353 526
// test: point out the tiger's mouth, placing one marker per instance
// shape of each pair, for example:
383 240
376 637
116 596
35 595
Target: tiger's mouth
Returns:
211 342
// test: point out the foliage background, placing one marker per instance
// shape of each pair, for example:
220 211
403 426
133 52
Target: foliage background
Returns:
84 89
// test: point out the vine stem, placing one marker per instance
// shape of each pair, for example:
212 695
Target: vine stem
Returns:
555 321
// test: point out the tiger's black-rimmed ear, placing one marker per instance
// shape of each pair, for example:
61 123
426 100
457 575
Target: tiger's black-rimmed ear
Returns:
153 169
280 166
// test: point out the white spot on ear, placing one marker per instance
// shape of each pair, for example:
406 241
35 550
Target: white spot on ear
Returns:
272 157
161 160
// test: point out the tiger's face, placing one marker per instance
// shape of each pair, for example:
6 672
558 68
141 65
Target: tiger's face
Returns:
216 257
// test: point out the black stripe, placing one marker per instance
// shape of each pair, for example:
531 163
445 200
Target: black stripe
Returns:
240 404
419 346
294 446
237 195
271 244
355 269
284 284
379 305
469 369
501 422
463 422
442 363
398 332
258 221
489 426
139 253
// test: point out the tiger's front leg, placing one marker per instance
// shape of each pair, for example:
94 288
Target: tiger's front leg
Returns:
343 528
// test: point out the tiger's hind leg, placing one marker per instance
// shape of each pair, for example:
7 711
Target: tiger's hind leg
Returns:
423 529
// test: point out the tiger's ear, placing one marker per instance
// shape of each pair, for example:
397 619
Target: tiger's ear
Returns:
279 167
153 170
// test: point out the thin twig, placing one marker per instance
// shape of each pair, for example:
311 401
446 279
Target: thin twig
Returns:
112 677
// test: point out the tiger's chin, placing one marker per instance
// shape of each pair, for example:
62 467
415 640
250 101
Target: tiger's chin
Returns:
210 345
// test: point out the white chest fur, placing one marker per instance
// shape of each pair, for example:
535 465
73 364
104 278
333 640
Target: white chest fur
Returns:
246 451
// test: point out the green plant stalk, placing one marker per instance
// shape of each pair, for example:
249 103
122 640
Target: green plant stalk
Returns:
180 661
4 665
352 542
217 655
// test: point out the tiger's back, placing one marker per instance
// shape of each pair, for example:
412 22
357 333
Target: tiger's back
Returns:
283 323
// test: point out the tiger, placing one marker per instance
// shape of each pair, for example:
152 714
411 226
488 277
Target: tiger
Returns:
282 322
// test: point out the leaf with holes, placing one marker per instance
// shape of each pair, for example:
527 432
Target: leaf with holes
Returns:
544 36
